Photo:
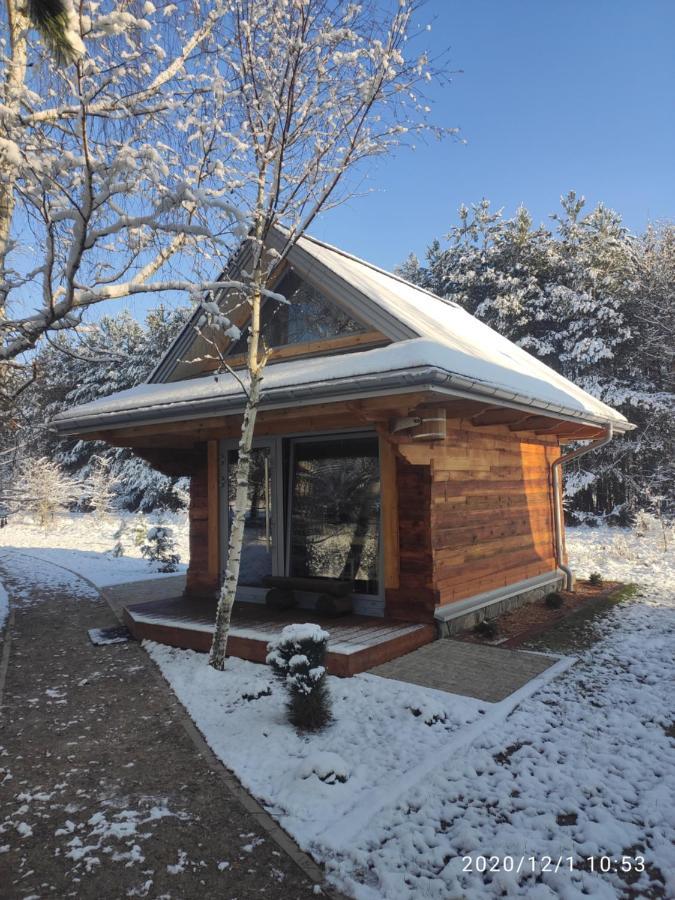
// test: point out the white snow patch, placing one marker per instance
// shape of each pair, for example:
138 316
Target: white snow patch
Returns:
580 764
326 766
82 543
179 867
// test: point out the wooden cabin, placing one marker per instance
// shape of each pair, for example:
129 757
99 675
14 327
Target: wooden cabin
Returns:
403 448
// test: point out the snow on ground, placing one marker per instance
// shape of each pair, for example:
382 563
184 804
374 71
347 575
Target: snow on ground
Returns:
410 792
381 730
84 544
583 767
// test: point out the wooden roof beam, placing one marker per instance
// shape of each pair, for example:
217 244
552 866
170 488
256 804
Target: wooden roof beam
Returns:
499 415
573 430
534 422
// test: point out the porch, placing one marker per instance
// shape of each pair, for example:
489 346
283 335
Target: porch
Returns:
356 643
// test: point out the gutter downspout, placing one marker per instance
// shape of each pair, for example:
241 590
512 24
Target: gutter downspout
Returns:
558 519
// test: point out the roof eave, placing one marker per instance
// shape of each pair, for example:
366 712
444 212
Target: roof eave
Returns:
423 378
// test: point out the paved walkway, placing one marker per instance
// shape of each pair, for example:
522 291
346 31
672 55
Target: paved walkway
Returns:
104 792
473 670
121 595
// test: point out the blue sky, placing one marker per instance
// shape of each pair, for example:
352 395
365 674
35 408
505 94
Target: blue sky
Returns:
555 95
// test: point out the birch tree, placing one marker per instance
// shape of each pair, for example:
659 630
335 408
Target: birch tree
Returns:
103 193
315 88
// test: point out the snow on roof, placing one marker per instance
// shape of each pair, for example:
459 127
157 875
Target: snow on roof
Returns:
415 363
453 351
451 326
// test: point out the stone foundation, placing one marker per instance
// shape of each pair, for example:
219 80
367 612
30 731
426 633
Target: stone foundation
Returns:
464 615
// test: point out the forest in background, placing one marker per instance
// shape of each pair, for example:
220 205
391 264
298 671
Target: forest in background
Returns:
594 302
585 296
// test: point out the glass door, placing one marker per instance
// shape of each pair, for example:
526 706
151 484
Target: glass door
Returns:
334 528
260 547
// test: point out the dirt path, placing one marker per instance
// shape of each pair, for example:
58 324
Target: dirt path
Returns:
102 792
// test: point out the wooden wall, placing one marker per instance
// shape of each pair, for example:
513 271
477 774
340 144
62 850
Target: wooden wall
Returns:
414 598
203 575
460 516
483 514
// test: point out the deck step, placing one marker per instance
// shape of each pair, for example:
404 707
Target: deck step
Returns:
356 643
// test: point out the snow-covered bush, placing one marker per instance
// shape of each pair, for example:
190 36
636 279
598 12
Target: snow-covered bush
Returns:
328 767
159 546
298 657
100 487
428 712
43 489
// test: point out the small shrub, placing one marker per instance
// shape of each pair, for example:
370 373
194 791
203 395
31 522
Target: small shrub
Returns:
328 767
298 657
430 715
595 578
159 547
487 629
554 600
256 694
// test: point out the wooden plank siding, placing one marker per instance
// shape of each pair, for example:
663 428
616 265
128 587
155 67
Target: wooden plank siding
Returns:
415 597
203 570
462 515
489 519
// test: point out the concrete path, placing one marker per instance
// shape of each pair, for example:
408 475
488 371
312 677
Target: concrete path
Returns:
121 595
104 789
472 670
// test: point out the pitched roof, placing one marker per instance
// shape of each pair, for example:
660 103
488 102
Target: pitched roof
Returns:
437 345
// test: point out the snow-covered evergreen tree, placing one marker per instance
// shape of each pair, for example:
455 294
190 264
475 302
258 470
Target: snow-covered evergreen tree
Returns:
597 304
159 547
77 367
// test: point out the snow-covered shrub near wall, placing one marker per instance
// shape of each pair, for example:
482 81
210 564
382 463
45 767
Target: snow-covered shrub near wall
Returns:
298 659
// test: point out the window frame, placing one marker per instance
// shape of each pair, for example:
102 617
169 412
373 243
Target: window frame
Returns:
282 488
367 329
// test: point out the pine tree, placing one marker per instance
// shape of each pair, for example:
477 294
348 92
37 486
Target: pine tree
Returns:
597 304
159 547
298 658
75 368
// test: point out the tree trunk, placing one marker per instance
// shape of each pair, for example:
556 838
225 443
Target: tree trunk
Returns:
14 80
241 505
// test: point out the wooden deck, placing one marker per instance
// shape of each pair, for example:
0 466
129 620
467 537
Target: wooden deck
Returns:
356 643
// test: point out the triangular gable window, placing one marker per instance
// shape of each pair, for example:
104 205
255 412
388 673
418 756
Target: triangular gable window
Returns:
307 316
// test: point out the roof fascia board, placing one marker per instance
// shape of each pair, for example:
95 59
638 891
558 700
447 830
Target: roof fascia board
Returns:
162 371
423 379
179 345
